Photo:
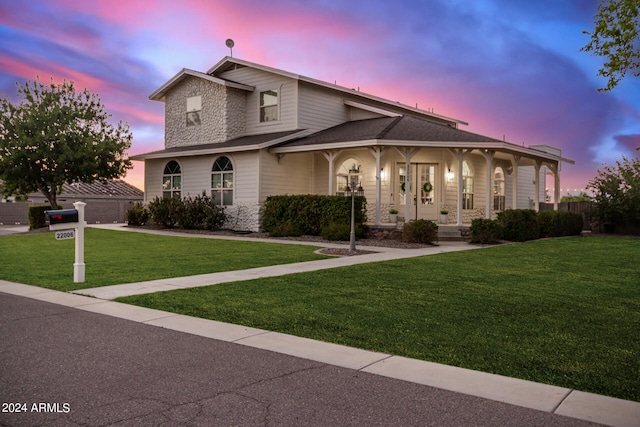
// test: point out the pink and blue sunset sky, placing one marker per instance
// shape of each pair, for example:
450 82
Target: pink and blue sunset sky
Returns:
510 68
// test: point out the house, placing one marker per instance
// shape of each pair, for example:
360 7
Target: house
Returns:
107 202
242 131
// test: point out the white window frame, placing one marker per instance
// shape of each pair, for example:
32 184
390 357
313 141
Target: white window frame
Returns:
224 188
467 185
261 106
194 110
499 189
172 180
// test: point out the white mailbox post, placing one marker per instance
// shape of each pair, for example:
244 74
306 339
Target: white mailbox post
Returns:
69 219
78 266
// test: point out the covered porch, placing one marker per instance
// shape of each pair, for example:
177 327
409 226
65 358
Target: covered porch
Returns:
421 169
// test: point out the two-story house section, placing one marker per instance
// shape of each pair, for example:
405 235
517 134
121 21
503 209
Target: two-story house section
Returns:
242 131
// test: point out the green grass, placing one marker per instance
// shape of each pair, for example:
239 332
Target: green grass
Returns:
559 311
114 257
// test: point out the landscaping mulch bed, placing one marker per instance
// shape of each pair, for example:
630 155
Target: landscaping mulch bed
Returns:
344 252
387 243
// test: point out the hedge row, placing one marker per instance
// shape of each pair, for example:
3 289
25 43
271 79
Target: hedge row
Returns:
192 213
37 217
519 225
311 214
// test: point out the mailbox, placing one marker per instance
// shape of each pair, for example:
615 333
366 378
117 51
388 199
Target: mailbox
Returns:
62 219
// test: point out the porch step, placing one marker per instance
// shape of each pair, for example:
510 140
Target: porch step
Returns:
452 233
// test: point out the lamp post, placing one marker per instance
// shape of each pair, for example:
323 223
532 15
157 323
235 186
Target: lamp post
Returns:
352 234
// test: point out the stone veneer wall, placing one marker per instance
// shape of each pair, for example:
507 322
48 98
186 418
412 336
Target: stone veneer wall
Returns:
243 217
468 215
222 116
384 212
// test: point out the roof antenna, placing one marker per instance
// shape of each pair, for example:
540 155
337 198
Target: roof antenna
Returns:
230 45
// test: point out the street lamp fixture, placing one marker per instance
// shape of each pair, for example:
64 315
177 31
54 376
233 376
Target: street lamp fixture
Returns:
352 235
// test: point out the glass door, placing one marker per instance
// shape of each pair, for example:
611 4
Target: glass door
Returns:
422 191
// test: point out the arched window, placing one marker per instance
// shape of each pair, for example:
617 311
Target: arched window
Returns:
222 181
498 189
349 175
467 186
172 180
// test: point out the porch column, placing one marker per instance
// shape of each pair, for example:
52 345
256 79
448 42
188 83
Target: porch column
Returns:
514 180
377 153
330 156
488 155
536 197
460 154
407 154
555 169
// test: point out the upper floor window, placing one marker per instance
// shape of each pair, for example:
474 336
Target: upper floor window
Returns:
172 180
467 186
194 108
222 181
268 106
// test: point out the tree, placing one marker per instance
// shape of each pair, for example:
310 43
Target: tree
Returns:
617 193
582 197
56 135
616 37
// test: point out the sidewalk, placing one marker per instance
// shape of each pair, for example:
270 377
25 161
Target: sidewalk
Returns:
381 254
545 400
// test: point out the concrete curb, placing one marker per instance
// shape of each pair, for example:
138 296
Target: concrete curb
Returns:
543 397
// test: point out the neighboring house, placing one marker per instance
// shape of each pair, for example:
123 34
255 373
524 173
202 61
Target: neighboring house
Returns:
107 202
243 131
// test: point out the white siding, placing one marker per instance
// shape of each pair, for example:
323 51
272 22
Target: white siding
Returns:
153 170
320 109
262 80
245 166
292 175
526 186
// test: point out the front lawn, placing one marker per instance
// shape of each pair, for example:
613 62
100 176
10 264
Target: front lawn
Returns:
558 311
114 257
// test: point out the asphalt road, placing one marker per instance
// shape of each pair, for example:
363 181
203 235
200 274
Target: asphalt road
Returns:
82 368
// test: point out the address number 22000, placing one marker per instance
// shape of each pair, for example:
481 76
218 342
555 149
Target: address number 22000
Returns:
65 234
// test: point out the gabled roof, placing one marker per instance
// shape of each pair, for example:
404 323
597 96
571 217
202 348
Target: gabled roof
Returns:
228 63
160 93
244 143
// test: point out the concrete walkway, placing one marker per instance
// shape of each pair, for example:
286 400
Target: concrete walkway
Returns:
381 254
541 397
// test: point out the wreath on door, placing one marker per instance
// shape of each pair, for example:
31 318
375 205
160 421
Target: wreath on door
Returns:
427 187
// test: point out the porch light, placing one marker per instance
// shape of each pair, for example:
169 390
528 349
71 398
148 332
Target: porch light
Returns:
449 175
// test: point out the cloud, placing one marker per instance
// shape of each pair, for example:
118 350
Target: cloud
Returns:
631 142
507 67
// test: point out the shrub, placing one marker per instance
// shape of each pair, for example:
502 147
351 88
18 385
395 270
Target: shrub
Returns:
420 231
617 194
285 229
518 225
201 213
138 215
485 231
37 217
559 223
166 211
308 214
336 231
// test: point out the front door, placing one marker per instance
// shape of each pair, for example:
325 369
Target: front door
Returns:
422 190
